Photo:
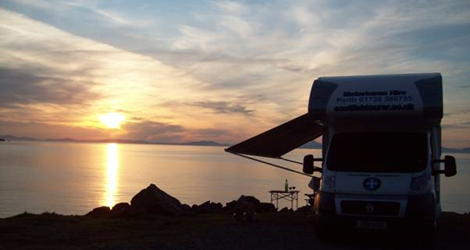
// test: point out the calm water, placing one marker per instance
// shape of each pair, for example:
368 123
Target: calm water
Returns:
73 178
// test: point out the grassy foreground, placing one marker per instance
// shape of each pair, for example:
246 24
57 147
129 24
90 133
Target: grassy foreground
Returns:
214 231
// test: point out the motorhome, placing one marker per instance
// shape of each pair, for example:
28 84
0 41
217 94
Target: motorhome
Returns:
381 150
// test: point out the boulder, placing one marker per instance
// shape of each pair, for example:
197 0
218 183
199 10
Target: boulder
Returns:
186 209
304 209
248 199
266 207
285 210
244 216
121 208
249 203
100 212
155 201
208 207
230 206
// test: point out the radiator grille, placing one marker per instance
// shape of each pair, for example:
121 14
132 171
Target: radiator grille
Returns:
378 208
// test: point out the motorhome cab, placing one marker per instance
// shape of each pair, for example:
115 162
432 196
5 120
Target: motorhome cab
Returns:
381 150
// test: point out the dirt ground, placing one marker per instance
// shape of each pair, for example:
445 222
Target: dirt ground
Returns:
221 231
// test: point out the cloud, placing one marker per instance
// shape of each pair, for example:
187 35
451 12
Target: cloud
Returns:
224 54
230 6
25 86
154 131
169 133
224 107
49 71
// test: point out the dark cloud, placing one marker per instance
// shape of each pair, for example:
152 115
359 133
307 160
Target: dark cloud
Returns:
224 107
23 86
210 133
163 132
154 131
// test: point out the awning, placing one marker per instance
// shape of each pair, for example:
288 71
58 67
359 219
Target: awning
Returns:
282 139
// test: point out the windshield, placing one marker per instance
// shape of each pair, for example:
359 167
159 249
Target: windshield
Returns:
378 152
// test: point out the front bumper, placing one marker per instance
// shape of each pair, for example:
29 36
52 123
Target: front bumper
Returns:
419 212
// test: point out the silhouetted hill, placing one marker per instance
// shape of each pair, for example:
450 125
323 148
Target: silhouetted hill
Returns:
204 143
18 138
456 150
312 144
62 140
191 143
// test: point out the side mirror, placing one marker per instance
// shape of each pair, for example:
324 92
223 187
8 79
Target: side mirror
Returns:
450 166
308 167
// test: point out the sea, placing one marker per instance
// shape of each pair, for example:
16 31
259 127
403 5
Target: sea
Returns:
73 178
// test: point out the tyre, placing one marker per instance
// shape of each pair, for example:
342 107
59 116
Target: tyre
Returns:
322 232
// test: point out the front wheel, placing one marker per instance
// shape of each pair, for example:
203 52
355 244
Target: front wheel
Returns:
322 232
429 234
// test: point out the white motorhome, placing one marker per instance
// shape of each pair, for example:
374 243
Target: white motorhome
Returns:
381 150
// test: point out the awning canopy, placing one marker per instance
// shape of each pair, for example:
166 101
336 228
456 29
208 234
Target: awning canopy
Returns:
282 139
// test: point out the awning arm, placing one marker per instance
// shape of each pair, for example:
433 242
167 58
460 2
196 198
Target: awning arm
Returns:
272 164
292 161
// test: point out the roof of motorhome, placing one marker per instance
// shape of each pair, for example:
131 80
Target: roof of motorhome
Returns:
413 75
418 95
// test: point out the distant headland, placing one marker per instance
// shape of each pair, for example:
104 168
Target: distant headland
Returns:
124 141
310 145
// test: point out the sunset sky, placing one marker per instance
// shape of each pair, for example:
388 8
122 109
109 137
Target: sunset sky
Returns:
176 71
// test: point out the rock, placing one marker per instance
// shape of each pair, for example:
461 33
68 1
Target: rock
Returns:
244 216
266 207
121 208
305 209
217 207
230 205
249 204
205 206
208 207
186 209
100 212
155 201
248 199
285 210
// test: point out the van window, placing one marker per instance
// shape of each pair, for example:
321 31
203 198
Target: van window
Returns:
378 152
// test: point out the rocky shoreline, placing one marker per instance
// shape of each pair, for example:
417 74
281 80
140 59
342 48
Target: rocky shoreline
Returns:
155 220
154 201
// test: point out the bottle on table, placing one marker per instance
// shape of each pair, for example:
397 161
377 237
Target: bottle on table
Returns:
286 186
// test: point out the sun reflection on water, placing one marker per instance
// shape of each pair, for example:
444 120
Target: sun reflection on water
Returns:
112 169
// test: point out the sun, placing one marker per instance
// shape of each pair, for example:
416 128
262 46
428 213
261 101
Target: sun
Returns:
112 120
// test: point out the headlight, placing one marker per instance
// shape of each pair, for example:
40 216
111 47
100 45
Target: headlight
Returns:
420 183
329 182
